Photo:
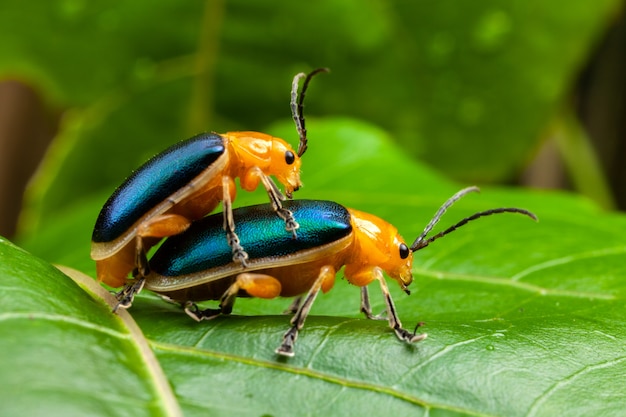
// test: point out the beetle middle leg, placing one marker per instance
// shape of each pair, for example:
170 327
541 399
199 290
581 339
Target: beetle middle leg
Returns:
366 307
239 254
324 282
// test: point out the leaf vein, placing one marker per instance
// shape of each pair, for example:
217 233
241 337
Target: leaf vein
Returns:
515 284
315 374
568 259
435 356
568 380
63 319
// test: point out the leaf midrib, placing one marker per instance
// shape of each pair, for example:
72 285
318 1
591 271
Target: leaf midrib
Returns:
311 373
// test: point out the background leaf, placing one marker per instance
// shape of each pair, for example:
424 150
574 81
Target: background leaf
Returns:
468 88
523 318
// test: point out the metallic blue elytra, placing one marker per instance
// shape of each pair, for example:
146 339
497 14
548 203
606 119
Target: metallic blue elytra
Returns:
154 181
203 246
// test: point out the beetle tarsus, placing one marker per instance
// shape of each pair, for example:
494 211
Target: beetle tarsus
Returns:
409 337
239 254
289 340
291 225
126 296
370 316
198 315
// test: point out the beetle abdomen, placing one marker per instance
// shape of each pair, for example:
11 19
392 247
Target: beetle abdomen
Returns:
203 246
154 181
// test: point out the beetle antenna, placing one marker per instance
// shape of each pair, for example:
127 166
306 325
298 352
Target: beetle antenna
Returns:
421 242
456 197
297 105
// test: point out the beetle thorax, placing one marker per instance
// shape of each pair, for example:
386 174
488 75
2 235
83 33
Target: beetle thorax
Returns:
250 149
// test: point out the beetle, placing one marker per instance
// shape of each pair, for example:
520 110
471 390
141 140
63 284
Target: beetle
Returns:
186 182
196 265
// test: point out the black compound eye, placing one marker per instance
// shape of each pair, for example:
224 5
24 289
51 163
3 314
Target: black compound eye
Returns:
404 251
290 158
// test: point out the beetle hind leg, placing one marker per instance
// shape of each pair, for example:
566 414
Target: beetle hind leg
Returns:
256 285
142 268
197 314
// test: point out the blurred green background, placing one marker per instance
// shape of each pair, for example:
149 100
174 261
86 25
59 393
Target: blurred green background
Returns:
508 92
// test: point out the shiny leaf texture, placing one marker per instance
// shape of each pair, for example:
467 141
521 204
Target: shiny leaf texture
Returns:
523 318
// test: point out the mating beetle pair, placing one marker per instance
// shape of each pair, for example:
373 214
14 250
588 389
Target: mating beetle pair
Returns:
167 197
186 182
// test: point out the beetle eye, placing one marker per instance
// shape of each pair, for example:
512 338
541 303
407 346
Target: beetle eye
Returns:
404 251
290 158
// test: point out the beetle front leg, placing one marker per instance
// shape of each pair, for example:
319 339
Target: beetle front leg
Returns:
291 225
239 254
392 316
324 282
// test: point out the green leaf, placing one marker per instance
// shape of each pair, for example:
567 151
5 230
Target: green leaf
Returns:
63 353
523 318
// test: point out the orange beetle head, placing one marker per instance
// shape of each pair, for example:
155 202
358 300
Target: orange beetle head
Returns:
381 245
272 155
285 165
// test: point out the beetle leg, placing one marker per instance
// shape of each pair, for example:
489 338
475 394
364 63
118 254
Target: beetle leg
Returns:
327 273
257 285
294 306
366 307
141 260
157 227
126 296
239 254
195 313
291 225
394 321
